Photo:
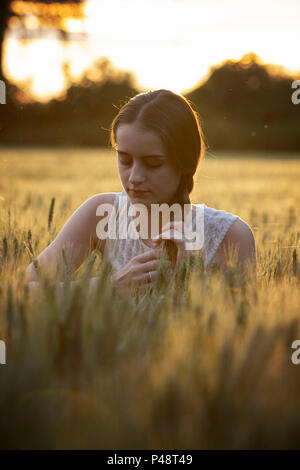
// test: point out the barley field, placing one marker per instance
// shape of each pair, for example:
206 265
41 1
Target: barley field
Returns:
205 363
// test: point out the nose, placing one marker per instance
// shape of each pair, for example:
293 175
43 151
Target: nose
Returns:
136 175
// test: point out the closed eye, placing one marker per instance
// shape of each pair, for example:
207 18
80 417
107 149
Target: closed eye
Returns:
148 164
153 165
125 162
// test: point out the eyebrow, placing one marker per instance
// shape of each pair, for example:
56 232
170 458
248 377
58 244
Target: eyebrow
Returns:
143 156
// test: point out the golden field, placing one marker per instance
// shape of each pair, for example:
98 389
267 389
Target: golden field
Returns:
204 364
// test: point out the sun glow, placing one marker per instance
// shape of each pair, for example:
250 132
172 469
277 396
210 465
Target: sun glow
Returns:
167 43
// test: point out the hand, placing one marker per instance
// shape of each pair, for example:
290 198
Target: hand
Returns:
136 272
173 234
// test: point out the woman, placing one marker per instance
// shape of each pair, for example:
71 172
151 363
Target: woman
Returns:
159 142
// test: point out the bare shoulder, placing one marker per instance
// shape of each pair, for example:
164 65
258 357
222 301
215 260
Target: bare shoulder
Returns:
239 237
91 206
98 199
239 232
87 210
81 227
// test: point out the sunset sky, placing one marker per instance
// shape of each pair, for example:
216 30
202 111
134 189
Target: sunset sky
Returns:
166 43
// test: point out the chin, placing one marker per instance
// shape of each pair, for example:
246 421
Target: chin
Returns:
139 197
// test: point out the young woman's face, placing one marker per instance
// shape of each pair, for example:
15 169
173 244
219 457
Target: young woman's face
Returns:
144 166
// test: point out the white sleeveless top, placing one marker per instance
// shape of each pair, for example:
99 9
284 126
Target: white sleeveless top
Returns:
119 251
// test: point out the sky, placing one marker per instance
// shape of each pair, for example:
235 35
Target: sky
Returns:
166 43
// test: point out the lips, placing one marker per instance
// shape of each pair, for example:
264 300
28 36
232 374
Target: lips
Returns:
137 192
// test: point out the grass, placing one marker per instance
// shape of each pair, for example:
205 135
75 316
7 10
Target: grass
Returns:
205 363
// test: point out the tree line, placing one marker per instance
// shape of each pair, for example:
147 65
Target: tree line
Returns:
242 105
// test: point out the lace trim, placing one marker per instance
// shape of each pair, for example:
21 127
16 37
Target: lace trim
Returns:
216 225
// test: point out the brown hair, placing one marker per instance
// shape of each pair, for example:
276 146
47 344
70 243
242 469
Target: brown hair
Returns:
172 117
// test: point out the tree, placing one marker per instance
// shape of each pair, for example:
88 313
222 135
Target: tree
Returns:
48 13
4 14
247 104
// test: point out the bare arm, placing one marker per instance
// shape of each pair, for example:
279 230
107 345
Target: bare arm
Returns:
78 238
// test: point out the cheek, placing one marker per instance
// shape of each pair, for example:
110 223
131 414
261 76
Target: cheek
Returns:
172 177
160 177
123 173
167 182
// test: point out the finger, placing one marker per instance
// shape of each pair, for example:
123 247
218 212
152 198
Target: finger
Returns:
145 278
155 275
171 233
180 243
142 276
176 224
149 255
153 265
